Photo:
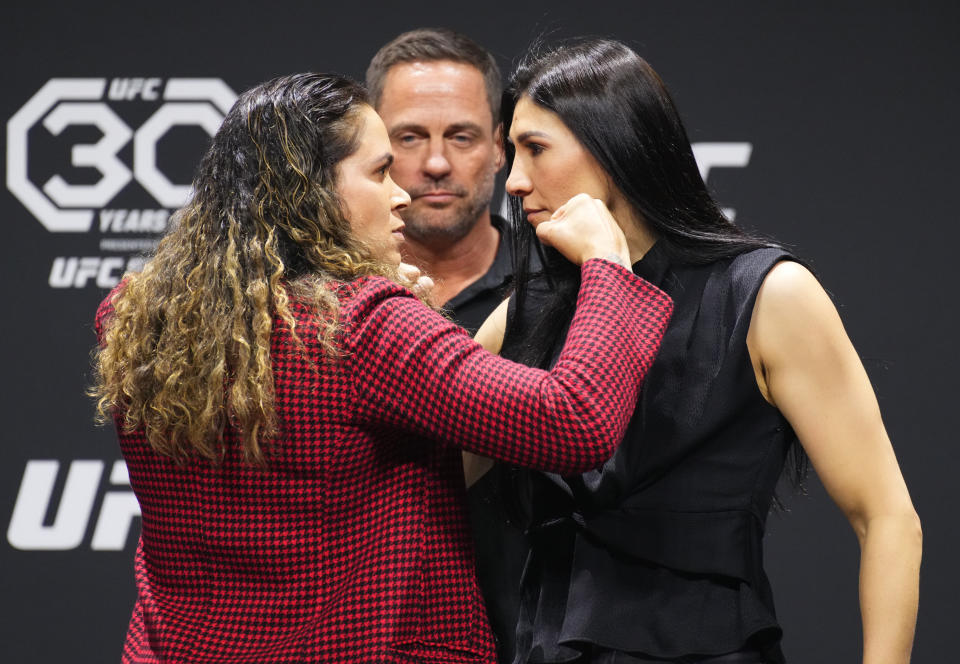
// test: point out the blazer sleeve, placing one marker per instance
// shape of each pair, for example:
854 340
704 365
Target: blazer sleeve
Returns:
413 370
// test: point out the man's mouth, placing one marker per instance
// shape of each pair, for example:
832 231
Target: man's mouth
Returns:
439 196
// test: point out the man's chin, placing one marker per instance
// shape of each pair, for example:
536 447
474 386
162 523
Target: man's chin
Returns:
427 225
428 222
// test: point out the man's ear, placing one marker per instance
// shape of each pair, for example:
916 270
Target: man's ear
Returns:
501 157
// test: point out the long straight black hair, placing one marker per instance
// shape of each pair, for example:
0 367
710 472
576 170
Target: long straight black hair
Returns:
621 112
617 106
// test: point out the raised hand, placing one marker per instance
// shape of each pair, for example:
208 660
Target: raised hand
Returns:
583 228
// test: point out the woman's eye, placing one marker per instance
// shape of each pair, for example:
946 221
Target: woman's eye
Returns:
534 148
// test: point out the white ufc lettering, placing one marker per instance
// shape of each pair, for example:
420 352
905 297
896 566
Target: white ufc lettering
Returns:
27 530
721 155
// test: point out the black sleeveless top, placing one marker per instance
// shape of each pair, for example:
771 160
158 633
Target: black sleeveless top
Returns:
658 553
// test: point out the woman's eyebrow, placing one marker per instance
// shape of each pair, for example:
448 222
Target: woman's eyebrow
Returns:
530 134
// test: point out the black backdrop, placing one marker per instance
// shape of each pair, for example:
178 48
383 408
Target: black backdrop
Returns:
849 112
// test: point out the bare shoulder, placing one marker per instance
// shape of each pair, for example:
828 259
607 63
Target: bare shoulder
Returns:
794 324
792 302
789 284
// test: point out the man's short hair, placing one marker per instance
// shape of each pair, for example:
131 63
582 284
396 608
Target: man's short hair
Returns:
430 45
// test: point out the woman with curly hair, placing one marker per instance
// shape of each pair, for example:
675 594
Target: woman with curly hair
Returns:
291 415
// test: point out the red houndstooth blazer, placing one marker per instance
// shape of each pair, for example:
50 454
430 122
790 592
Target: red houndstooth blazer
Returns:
352 545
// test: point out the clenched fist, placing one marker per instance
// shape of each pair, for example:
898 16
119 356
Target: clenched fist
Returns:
583 228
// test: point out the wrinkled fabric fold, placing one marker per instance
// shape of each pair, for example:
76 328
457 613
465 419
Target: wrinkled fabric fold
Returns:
593 576
657 554
725 543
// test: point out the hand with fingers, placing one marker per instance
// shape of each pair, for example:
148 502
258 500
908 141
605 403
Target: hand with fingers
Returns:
412 278
583 228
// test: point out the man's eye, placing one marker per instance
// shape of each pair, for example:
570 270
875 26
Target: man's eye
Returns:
407 139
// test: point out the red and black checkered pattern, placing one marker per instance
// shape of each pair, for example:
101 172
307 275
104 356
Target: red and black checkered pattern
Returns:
353 544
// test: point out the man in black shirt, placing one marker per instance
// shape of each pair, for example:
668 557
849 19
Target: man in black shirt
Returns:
438 93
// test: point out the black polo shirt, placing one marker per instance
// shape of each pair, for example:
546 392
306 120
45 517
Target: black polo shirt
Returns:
471 306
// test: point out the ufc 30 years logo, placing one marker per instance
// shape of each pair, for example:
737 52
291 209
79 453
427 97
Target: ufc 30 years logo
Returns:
80 197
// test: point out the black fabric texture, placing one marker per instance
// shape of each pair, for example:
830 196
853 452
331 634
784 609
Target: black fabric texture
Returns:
471 306
657 555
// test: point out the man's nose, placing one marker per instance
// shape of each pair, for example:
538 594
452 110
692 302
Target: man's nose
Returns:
436 164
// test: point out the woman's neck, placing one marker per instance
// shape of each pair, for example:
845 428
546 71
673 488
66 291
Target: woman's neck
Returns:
640 237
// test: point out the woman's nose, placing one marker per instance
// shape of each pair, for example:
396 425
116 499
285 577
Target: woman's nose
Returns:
518 184
399 198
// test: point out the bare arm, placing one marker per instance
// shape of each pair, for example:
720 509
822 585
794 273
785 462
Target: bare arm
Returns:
808 368
491 333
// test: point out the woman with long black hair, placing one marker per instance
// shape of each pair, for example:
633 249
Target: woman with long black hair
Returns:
657 555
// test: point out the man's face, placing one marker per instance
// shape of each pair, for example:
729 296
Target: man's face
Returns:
446 151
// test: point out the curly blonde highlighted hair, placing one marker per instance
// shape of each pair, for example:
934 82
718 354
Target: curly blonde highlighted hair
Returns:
187 349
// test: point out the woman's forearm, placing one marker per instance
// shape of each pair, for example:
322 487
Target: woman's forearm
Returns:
889 586
420 374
